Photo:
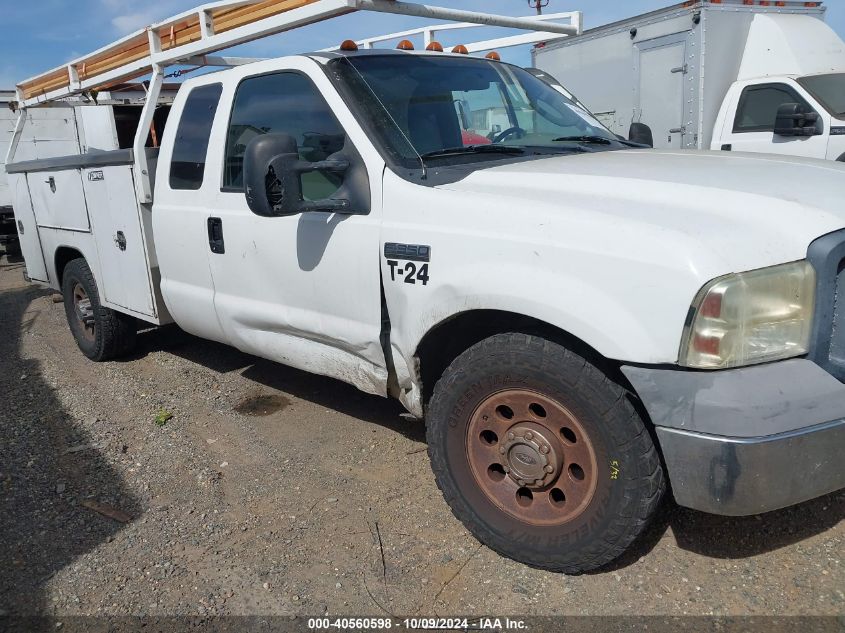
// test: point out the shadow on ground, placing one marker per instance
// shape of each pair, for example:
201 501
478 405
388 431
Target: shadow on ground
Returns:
705 534
735 538
325 392
48 467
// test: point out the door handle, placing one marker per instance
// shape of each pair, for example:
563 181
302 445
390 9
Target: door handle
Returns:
727 147
215 236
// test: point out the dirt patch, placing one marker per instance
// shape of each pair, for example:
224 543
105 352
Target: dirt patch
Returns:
262 405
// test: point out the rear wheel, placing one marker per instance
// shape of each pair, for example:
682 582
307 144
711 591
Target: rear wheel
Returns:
101 333
541 455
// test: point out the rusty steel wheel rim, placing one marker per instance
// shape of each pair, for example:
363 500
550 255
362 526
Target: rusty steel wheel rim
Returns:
531 457
84 312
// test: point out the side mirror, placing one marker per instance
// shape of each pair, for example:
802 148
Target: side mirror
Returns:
273 178
795 119
641 133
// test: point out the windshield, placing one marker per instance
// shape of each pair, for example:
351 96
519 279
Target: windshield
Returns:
467 109
829 90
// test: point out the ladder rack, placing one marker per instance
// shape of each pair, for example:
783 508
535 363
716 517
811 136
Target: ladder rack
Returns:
430 33
190 37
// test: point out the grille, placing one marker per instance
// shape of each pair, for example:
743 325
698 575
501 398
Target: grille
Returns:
836 354
827 346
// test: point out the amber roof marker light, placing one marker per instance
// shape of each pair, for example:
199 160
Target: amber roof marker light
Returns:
460 49
405 45
494 56
435 47
349 46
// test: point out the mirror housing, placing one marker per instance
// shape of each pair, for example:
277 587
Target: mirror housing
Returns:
641 133
795 119
273 178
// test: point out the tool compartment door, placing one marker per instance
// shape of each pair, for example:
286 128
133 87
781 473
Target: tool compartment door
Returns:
124 269
30 241
58 199
660 87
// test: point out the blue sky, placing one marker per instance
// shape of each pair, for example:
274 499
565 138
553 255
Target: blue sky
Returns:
37 35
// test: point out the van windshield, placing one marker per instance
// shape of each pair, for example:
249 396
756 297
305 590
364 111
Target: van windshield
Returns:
829 90
459 110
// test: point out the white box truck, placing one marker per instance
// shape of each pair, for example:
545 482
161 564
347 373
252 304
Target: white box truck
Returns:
741 75
578 319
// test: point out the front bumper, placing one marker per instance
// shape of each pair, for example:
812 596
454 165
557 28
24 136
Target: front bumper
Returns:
748 440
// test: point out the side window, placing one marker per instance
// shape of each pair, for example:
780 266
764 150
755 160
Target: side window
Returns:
187 166
287 103
758 107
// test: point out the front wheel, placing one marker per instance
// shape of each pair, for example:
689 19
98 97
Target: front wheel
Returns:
100 333
541 455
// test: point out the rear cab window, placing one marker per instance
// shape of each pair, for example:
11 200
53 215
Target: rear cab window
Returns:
190 149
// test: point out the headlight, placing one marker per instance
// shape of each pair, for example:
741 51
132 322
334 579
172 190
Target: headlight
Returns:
752 317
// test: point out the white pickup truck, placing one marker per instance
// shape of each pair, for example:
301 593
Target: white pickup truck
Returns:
580 321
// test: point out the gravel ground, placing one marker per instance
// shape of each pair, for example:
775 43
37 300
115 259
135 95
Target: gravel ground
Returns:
271 491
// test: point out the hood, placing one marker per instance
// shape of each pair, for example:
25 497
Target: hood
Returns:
721 212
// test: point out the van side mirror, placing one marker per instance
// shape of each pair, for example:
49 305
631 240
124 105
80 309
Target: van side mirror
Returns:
795 119
273 178
641 133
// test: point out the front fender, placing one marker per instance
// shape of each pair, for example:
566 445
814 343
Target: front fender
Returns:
564 301
620 284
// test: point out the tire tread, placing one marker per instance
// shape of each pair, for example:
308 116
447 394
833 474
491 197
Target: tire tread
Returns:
117 332
642 495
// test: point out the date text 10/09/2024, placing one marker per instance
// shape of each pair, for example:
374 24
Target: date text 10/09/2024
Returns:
417 624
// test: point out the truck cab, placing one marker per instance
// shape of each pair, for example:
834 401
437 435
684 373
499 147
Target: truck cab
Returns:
798 116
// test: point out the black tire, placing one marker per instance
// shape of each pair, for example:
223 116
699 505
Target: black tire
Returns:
11 248
628 482
111 334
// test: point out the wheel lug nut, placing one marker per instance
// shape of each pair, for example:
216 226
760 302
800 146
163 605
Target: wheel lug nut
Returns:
507 469
520 482
549 469
511 435
528 435
544 449
538 482
502 450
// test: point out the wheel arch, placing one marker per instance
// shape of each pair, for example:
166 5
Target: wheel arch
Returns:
63 256
452 336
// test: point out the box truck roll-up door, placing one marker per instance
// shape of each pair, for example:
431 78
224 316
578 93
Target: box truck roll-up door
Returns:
660 77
